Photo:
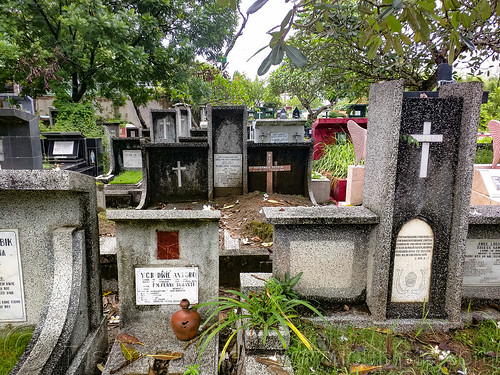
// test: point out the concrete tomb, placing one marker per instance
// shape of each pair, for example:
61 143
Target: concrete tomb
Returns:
20 146
163 257
403 249
49 270
279 131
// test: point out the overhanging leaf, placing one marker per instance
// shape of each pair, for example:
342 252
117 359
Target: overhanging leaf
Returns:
277 54
295 55
265 65
256 6
286 19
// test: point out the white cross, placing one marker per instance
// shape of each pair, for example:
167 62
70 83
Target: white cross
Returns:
425 138
178 170
164 128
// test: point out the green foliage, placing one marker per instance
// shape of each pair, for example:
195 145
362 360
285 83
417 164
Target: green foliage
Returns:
335 159
263 230
81 117
484 155
140 49
484 339
128 177
490 110
13 341
270 310
192 370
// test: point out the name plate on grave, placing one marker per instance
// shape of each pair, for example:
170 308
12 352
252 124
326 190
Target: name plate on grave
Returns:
412 262
228 170
63 148
482 262
11 279
491 178
166 286
132 159
279 138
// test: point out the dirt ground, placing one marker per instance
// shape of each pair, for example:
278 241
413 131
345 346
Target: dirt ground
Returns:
237 214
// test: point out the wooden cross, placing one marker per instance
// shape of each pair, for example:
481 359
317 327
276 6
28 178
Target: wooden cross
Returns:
426 138
179 169
269 168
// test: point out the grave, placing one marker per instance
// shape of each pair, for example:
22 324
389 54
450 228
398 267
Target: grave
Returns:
126 155
283 168
227 135
19 140
163 257
73 151
175 172
403 248
51 217
279 131
163 128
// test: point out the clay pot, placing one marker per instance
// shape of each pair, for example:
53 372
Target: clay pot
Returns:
185 322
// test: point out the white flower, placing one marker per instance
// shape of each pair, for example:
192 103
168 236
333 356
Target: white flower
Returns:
343 338
206 207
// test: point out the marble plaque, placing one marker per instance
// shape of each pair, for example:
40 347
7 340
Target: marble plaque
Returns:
166 286
63 148
132 159
491 178
228 170
412 262
482 262
279 138
12 307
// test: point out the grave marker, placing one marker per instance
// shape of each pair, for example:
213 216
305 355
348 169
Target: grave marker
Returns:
269 168
482 263
179 170
132 159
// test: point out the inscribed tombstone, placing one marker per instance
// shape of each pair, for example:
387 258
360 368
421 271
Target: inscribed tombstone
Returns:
482 262
228 170
132 159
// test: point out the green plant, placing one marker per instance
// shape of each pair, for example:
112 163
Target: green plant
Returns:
192 370
335 159
484 155
13 341
316 176
263 230
270 310
128 177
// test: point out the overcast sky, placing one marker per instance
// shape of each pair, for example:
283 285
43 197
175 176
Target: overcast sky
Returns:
254 36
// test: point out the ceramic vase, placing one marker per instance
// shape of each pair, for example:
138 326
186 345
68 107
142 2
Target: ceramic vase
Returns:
185 322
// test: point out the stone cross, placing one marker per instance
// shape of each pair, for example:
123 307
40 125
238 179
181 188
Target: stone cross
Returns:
179 169
426 138
269 168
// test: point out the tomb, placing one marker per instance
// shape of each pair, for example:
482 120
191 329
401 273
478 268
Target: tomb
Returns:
51 217
279 131
19 140
163 257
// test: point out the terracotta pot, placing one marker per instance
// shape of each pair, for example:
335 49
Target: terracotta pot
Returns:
185 322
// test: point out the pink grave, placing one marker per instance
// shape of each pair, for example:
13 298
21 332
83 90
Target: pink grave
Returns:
494 126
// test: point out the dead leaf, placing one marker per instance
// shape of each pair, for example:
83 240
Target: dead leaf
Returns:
227 207
129 352
363 369
444 346
389 347
276 370
267 244
444 370
384 330
151 371
256 239
128 339
273 201
267 361
166 356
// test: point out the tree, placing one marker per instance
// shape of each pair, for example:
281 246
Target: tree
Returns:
446 30
109 46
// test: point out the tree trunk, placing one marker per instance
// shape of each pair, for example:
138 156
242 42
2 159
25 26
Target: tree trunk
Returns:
139 115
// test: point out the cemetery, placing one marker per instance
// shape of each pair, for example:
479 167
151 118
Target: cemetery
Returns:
406 253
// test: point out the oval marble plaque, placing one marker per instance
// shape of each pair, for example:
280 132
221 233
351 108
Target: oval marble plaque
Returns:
412 262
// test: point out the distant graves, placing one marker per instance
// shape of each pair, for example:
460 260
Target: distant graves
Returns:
73 151
279 131
20 146
49 269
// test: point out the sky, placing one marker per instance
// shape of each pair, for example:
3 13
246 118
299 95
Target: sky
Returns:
254 37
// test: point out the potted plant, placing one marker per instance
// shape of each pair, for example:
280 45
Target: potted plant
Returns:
320 186
334 164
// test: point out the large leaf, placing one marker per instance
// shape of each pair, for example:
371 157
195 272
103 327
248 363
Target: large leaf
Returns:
277 54
256 6
295 55
129 352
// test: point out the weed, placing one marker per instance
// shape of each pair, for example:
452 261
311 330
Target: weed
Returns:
13 341
128 177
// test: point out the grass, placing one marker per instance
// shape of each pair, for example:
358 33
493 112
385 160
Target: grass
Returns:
484 156
335 159
473 350
128 177
13 341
